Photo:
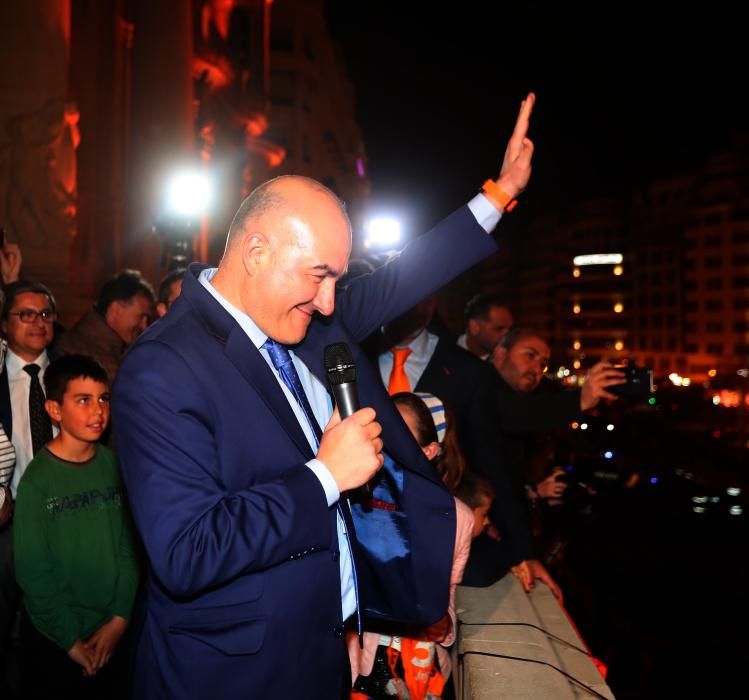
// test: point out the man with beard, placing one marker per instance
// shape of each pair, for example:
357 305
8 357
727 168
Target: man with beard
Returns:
521 359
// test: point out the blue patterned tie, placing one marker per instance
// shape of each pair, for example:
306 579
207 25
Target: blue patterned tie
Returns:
281 359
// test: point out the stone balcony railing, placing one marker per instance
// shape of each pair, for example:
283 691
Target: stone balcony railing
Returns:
548 659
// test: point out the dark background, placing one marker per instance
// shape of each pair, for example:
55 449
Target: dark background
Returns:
626 92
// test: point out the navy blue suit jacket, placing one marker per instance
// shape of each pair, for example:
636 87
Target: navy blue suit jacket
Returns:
244 594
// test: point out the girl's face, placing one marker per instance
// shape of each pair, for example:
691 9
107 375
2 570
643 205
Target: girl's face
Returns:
481 517
432 449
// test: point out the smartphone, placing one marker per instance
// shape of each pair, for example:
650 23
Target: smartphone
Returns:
639 382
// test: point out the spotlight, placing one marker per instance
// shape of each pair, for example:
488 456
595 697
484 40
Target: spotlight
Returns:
188 194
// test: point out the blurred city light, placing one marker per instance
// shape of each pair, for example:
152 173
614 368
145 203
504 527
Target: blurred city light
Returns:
733 491
598 259
610 427
736 510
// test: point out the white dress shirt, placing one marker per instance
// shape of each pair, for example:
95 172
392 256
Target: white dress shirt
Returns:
19 383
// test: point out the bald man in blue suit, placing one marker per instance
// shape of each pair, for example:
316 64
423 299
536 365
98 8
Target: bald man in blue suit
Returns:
241 478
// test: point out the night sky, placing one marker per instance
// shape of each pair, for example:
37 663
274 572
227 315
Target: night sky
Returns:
623 95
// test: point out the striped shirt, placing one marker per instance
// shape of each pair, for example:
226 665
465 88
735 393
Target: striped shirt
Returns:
7 458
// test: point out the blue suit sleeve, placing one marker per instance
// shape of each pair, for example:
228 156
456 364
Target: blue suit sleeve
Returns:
197 533
423 267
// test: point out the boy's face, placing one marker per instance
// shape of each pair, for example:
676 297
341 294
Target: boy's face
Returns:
481 517
84 411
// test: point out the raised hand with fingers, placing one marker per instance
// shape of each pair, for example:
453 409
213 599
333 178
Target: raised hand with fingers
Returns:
516 165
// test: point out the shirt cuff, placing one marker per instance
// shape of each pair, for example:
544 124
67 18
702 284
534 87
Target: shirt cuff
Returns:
332 494
486 214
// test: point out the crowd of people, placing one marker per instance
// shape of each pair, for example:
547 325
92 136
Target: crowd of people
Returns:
222 521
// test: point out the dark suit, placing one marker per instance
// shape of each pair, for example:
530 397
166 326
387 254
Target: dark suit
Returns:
244 599
468 385
516 416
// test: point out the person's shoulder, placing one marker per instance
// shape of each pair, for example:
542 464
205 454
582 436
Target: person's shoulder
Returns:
37 472
105 458
464 359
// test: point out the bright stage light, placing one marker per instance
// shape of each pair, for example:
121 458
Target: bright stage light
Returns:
383 232
188 194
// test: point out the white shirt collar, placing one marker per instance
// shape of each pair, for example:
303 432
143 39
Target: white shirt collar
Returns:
15 364
246 323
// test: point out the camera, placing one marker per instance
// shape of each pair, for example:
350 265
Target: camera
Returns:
639 382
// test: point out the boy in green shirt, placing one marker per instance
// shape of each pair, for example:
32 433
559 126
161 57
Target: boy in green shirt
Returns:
75 556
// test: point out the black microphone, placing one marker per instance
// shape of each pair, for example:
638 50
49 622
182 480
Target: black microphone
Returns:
339 364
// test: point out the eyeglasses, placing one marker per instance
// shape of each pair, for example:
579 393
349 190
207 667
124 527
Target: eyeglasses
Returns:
30 316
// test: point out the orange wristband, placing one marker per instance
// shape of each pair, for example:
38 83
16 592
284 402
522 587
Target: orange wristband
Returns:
499 195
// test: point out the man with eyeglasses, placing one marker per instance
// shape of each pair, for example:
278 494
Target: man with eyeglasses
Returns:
28 327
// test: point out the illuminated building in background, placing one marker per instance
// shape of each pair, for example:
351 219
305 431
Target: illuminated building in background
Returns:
312 104
677 301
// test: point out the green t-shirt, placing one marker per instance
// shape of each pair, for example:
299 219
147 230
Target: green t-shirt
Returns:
75 553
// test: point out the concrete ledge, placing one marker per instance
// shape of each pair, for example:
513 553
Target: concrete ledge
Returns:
488 678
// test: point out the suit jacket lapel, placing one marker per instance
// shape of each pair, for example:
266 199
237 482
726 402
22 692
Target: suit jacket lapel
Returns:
244 356
253 367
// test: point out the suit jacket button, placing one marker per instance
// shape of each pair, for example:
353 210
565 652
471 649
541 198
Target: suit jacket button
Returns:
335 556
338 631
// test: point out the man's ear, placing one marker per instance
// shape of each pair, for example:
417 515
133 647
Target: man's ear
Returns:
53 408
113 312
161 309
255 247
473 327
431 450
